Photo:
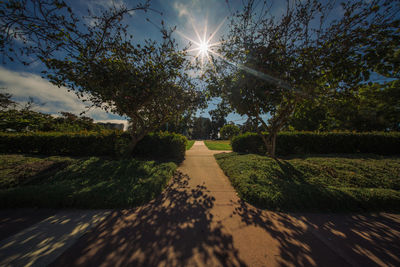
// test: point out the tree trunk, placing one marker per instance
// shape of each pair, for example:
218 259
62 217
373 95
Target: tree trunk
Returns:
271 147
134 141
269 142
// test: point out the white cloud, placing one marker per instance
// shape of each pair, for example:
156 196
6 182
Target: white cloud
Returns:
23 85
182 9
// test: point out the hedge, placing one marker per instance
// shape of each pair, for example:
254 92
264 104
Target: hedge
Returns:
321 143
107 143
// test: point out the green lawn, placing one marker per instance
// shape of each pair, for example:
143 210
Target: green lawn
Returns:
316 183
218 144
189 144
92 182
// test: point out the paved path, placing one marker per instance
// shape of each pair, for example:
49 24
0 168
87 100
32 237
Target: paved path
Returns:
199 221
37 238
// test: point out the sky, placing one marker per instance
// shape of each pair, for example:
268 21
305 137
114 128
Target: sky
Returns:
26 81
189 16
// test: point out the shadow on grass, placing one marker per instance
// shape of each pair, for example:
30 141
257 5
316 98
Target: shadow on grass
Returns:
92 183
176 229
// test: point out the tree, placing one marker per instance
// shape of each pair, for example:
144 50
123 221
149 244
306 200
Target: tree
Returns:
5 101
372 107
266 65
229 131
201 128
249 126
145 82
218 118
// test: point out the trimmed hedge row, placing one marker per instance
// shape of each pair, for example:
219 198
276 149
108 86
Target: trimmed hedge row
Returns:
107 143
321 143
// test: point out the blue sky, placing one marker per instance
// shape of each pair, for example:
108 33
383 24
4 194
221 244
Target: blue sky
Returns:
25 81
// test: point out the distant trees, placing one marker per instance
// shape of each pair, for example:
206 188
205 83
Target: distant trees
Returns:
218 118
28 120
374 107
146 82
267 65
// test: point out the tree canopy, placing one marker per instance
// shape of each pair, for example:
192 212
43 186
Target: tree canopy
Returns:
269 64
146 82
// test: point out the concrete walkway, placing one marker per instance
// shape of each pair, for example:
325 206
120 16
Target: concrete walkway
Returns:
47 238
199 221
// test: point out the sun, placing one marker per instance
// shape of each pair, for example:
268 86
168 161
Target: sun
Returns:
203 47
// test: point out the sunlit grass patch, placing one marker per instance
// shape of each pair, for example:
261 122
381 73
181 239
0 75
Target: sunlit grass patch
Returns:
218 144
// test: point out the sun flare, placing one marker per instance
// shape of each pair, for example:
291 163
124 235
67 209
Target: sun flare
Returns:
203 45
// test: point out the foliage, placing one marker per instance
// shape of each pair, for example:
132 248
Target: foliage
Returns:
5 101
322 143
162 145
229 131
180 124
249 126
373 107
269 64
60 182
104 143
146 82
29 120
326 183
201 128
218 144
218 118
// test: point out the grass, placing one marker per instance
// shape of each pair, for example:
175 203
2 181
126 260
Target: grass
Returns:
189 144
91 182
316 183
218 144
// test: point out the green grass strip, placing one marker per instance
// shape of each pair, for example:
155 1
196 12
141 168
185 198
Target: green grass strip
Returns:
218 144
189 144
316 183
92 182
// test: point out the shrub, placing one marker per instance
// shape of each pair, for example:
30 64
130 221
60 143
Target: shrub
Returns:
321 143
105 143
162 145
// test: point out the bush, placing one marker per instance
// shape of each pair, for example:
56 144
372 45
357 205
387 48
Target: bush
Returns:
162 145
105 143
321 143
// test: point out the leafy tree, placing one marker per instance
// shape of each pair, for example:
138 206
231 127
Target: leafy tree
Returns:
229 131
180 124
270 64
5 101
249 126
25 120
201 128
145 82
218 118
373 107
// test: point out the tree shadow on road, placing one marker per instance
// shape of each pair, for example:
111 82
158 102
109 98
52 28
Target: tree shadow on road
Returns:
175 229
329 239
